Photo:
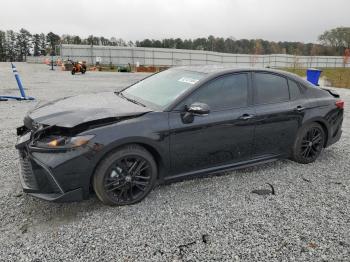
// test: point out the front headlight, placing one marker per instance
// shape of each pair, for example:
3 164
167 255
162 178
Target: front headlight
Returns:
64 141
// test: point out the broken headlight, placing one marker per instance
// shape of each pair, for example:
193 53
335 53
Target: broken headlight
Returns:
61 142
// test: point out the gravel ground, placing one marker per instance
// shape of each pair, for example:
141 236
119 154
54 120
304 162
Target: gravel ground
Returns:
210 219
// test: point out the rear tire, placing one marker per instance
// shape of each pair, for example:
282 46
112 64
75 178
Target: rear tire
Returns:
125 176
309 143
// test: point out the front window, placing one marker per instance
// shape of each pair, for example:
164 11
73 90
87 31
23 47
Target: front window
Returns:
160 90
226 92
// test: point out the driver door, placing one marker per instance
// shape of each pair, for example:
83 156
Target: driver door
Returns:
222 137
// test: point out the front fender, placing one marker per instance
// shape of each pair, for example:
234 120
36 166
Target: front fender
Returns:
151 132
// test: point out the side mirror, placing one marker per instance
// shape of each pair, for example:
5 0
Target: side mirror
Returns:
198 109
195 109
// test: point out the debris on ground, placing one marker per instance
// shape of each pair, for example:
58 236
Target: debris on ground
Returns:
263 192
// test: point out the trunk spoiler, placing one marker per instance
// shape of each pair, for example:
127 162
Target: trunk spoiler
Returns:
332 92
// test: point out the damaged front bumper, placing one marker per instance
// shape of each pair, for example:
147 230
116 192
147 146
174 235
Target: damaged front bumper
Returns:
54 176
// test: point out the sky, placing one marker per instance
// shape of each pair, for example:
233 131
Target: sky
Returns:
274 20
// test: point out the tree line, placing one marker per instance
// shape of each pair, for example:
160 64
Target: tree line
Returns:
16 46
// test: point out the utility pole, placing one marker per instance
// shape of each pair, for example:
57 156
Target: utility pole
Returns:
52 53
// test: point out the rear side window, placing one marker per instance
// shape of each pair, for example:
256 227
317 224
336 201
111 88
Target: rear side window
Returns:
294 90
270 88
222 93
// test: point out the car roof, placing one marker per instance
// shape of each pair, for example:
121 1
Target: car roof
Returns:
217 69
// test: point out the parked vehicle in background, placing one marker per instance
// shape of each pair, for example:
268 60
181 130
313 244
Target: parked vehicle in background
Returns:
181 122
78 67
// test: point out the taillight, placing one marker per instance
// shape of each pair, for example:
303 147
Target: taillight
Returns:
339 104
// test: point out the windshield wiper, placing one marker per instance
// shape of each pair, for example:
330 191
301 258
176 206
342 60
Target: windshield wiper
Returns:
129 99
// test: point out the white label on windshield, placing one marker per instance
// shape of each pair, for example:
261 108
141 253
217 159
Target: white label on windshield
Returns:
188 80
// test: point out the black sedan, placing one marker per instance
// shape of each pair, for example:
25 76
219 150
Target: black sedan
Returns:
182 122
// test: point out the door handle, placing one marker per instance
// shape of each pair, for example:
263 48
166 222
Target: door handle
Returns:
246 117
299 108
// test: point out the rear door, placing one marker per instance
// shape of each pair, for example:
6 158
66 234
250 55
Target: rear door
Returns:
277 117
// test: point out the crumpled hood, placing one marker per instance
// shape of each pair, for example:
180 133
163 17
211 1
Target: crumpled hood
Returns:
72 111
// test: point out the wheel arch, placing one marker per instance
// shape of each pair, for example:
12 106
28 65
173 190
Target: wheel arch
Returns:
324 126
325 129
153 150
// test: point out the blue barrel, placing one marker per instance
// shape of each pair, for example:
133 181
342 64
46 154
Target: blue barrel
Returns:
313 75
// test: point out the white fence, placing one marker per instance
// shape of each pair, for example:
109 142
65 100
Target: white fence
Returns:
170 57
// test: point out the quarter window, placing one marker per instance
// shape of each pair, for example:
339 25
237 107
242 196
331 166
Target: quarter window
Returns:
270 88
223 93
294 90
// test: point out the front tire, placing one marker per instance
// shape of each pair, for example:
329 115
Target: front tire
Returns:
125 176
308 144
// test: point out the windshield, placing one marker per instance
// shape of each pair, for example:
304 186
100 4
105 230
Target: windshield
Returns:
160 90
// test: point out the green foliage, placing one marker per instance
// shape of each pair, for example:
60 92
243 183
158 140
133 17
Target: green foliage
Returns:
242 46
2 46
337 38
52 40
43 46
24 43
17 46
36 44
337 77
11 46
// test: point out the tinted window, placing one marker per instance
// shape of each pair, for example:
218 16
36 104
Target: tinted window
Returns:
163 88
294 90
270 88
223 93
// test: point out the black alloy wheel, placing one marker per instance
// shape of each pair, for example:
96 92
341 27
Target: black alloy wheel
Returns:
126 176
309 143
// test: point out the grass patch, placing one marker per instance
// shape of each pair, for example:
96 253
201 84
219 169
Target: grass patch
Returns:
338 77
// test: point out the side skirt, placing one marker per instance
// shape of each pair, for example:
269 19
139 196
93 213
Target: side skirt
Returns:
219 169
